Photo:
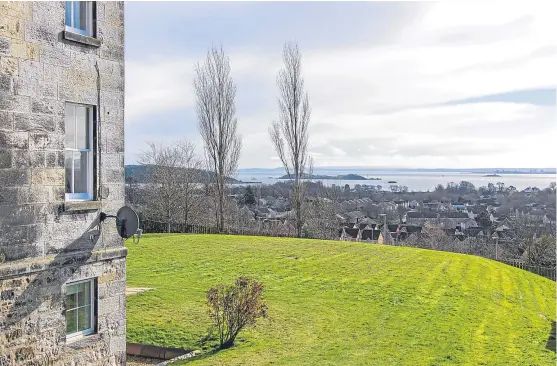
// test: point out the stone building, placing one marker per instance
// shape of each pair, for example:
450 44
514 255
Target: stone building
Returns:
62 273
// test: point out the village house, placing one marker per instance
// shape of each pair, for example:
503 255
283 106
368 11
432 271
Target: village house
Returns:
62 271
418 218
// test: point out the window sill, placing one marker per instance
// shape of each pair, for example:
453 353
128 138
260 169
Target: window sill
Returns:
80 38
84 341
82 205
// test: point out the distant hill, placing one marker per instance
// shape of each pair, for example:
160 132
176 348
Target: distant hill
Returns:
337 177
140 173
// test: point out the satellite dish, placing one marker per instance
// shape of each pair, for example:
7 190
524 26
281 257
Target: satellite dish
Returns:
127 222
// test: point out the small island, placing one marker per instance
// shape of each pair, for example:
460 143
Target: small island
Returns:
338 177
492 175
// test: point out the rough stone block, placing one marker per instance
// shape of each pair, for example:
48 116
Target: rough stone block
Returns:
56 56
6 83
117 344
9 102
31 70
78 78
45 141
36 194
112 161
110 34
14 140
48 177
112 52
47 90
100 11
5 45
52 159
9 66
6 121
28 159
52 73
35 88
9 196
14 177
21 10
11 27
5 159
25 87
109 305
13 235
112 176
17 215
50 12
45 33
34 122
25 50
47 106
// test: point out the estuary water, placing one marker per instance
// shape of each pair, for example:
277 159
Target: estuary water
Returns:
415 181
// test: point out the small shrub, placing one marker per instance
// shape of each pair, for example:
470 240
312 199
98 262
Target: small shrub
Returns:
234 307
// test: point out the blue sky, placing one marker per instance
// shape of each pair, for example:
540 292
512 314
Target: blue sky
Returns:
421 85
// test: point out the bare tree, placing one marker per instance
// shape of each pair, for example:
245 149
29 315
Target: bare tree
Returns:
289 133
216 109
171 176
188 201
541 251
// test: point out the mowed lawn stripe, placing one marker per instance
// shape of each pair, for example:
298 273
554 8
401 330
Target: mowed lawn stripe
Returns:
333 302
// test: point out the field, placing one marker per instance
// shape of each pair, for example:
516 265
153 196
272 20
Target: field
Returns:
333 302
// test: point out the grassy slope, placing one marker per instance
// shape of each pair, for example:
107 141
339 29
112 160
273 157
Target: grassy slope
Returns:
343 303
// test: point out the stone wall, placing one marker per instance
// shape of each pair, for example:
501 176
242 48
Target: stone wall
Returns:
46 242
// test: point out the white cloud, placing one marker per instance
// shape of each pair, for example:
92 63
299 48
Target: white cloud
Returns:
381 106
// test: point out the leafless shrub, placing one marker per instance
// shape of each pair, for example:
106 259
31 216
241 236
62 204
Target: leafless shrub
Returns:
234 307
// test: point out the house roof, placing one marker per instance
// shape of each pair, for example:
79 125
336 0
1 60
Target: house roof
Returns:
370 234
421 215
472 231
355 214
352 232
453 215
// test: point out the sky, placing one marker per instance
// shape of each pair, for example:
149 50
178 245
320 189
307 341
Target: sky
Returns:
391 84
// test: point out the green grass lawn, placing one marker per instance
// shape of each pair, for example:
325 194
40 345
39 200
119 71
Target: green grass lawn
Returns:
333 302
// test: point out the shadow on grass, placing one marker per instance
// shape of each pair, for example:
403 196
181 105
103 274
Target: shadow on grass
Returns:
210 346
551 339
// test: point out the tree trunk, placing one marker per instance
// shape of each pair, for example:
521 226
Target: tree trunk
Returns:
298 198
168 221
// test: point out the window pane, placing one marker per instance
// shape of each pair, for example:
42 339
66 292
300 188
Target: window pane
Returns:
71 321
70 127
71 301
80 169
76 15
84 296
82 15
82 127
84 318
69 175
69 13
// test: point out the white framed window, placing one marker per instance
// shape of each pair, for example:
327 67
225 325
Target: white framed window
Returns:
80 308
78 151
79 17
